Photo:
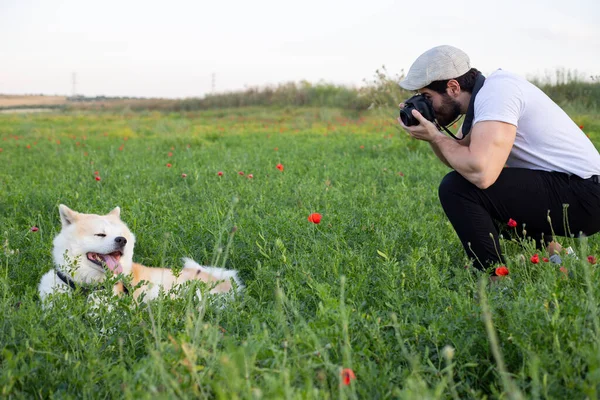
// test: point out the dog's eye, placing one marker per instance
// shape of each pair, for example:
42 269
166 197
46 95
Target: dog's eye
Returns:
100 234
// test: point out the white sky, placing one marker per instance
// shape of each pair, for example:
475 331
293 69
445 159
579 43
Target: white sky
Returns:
172 48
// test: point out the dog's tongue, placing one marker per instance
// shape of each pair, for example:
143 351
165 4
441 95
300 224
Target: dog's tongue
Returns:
112 263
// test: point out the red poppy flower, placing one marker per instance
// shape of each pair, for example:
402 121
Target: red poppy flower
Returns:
98 178
250 176
184 175
347 376
121 148
315 218
220 173
501 271
592 260
401 173
511 223
96 173
580 126
276 149
545 259
170 154
168 165
535 259
34 229
241 173
362 147
564 271
279 167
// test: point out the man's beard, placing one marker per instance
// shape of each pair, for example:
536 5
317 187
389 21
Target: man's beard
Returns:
449 111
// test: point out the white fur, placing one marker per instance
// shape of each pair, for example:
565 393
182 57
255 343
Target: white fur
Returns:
78 237
85 233
219 273
51 283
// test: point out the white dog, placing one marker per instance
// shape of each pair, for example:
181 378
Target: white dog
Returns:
89 245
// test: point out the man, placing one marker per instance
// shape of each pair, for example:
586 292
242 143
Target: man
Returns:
521 157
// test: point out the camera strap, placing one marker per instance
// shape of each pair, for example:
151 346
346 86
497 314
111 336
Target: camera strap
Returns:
466 127
447 131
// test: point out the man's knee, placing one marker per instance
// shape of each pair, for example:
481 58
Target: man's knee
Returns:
452 186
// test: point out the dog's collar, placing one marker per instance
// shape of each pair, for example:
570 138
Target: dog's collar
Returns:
85 290
68 280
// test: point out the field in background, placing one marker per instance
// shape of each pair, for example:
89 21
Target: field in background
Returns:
34 103
566 88
379 286
12 101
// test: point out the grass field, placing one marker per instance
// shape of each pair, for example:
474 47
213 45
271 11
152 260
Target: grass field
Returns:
379 286
15 100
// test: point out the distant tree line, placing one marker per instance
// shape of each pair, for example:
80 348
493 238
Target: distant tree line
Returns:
568 88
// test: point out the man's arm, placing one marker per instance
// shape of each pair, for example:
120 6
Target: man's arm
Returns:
482 160
438 153
463 142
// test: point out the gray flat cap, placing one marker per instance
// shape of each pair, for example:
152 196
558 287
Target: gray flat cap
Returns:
437 64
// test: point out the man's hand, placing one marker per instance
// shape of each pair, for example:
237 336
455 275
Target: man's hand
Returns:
426 130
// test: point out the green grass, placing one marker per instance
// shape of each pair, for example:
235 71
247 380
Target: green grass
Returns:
379 286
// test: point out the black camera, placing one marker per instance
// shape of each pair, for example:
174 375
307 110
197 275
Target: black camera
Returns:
421 104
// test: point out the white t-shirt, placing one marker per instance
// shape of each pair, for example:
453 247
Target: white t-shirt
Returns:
547 139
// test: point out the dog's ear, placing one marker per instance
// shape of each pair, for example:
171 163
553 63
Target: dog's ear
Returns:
116 212
67 216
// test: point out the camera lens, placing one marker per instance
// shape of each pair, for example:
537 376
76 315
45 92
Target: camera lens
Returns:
407 118
421 104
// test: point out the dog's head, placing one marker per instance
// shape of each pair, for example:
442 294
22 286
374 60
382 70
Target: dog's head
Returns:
91 244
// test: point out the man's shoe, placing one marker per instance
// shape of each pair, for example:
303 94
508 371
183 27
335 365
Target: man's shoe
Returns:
556 259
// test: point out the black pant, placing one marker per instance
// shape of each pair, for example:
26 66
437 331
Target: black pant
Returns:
528 197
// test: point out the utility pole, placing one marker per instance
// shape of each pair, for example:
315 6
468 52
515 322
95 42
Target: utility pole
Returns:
74 81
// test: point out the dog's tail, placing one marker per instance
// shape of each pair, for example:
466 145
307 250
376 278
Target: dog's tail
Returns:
218 273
